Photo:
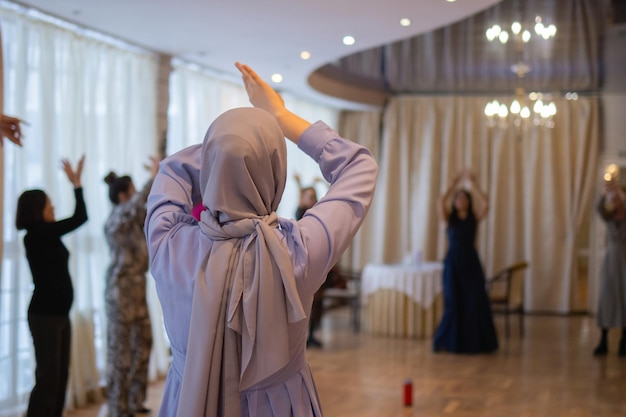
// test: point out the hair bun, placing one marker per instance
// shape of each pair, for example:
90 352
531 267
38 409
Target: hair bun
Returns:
110 178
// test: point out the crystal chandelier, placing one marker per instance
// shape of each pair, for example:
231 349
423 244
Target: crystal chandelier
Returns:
536 108
519 33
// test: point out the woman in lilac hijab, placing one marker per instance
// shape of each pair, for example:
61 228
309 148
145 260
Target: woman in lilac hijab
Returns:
236 287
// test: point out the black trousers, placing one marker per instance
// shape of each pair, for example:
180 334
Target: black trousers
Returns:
51 337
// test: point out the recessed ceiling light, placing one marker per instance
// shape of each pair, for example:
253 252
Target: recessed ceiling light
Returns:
348 40
405 22
277 78
450 1
305 55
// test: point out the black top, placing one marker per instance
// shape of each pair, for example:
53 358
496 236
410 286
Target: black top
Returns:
300 212
48 257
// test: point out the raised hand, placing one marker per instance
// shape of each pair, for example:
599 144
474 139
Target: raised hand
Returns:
10 129
73 175
296 177
457 178
263 96
152 166
260 93
470 175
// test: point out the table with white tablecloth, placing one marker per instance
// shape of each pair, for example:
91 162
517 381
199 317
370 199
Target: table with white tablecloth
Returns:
402 300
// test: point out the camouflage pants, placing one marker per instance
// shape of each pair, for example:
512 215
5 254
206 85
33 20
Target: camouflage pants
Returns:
128 357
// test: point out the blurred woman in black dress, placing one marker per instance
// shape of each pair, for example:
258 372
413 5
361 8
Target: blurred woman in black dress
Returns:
467 323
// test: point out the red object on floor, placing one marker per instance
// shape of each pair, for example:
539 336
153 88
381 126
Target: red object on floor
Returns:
408 393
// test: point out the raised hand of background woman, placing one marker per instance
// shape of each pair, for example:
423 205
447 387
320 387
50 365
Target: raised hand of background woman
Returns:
73 175
152 166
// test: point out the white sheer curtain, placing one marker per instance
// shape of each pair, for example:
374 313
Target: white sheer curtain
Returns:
540 184
198 97
81 95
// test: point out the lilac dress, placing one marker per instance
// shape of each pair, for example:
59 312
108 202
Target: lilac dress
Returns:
180 251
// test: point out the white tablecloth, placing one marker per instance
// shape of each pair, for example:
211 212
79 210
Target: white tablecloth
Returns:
403 300
420 283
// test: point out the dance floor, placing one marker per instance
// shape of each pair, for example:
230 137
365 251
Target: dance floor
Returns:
550 372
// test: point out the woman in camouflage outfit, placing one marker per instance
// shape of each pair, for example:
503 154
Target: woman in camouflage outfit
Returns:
129 333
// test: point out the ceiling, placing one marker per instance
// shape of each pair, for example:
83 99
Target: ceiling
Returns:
266 34
459 59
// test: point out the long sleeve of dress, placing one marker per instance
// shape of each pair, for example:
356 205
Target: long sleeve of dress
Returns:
174 239
171 198
327 228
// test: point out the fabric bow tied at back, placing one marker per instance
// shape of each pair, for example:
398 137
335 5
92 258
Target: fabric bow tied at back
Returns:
259 298
249 293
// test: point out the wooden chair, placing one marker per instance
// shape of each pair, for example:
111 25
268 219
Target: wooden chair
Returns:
506 294
348 294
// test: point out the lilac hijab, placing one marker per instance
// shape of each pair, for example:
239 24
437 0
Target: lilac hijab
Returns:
247 297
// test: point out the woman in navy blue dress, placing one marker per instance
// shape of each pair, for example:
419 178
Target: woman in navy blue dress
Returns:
467 324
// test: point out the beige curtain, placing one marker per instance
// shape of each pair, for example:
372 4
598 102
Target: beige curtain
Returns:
539 181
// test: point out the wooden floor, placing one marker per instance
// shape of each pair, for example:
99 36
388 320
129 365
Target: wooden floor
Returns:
550 372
